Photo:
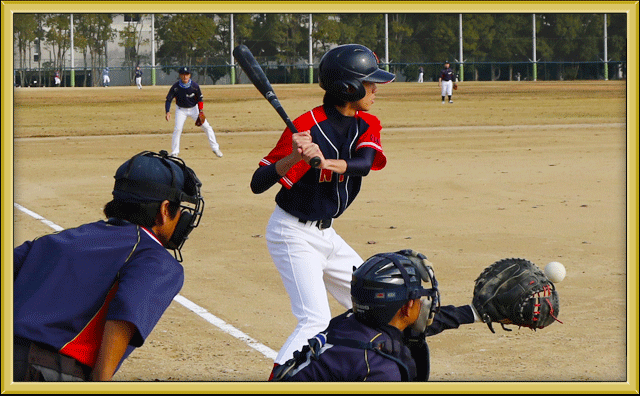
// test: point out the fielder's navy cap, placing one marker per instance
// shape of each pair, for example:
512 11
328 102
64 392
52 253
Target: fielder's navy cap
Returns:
148 179
184 70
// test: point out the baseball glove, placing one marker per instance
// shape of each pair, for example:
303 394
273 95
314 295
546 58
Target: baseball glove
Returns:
455 85
201 118
515 291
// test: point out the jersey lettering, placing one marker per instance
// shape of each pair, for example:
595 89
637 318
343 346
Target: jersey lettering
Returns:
326 176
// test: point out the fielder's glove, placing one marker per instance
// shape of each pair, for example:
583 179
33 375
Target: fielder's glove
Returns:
455 85
515 291
201 118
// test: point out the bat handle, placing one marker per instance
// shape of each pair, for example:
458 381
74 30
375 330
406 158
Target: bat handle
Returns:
315 161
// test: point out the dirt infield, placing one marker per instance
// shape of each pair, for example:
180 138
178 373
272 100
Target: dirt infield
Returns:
533 170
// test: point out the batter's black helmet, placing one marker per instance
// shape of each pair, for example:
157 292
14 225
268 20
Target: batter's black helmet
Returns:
386 281
345 67
155 177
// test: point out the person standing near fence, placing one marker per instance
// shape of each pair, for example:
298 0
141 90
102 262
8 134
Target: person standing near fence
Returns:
421 74
189 103
138 77
105 77
56 78
446 81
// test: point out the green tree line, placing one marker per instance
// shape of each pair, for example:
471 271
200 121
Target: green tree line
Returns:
202 41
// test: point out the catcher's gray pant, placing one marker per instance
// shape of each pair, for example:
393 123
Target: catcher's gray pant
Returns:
182 113
311 262
447 88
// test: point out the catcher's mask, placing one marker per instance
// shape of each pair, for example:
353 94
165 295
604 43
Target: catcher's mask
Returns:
386 281
155 177
344 68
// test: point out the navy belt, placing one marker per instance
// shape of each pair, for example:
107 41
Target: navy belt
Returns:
321 224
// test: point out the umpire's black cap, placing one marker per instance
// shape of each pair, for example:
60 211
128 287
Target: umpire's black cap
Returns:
184 70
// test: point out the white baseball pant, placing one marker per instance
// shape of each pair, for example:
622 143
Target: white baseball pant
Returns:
181 116
311 262
139 82
447 88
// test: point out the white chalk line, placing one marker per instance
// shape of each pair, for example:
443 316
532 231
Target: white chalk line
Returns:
195 308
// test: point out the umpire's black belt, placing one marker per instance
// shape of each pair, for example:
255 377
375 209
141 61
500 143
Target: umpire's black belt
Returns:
321 224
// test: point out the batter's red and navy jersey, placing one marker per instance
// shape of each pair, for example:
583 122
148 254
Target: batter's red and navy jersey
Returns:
187 95
314 194
447 74
66 285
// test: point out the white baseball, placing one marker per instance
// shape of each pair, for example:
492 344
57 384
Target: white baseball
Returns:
555 271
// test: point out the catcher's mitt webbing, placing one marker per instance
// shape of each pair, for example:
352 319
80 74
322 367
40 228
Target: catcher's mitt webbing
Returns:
515 291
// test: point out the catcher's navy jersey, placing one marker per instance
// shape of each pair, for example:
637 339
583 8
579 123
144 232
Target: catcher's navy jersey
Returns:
314 194
66 285
187 95
447 74
344 362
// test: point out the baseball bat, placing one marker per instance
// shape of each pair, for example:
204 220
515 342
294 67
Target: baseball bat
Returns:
255 73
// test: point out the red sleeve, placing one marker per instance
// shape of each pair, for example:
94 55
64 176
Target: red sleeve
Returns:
371 138
200 106
282 149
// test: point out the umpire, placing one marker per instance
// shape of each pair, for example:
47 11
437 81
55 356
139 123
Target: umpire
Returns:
383 337
85 297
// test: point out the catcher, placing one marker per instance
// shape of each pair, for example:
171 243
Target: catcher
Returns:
396 305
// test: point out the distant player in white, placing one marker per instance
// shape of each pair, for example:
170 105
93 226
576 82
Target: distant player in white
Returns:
138 77
446 81
57 78
421 74
105 77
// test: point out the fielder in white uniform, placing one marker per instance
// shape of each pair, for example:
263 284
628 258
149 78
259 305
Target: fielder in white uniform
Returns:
446 82
189 104
105 77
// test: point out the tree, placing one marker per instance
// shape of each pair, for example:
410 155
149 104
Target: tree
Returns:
25 28
58 36
93 32
131 39
188 41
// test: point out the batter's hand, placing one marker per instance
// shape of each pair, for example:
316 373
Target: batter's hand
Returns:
302 143
167 116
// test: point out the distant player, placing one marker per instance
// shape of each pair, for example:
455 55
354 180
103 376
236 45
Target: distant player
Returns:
86 297
421 74
310 256
445 82
138 77
189 103
56 78
105 77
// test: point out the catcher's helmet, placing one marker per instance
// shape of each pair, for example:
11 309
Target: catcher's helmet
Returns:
386 281
155 177
345 67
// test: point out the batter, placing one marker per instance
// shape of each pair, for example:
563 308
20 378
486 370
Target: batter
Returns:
189 103
310 256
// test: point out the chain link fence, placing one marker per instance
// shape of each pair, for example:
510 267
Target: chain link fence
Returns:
300 73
